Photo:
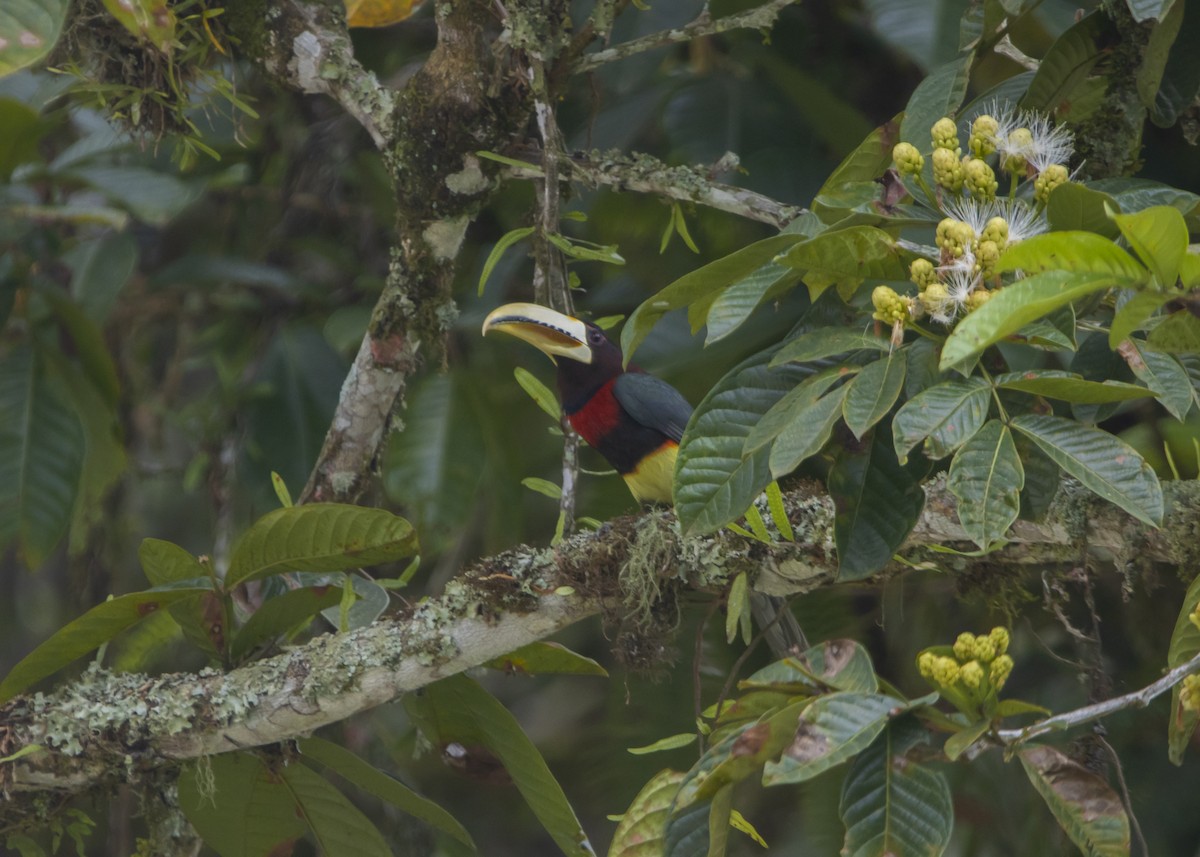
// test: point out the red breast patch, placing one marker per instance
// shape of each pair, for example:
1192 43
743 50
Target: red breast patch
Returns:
599 416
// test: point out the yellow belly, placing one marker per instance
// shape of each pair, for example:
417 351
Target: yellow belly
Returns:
654 477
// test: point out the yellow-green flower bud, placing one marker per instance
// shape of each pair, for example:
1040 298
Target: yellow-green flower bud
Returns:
999 638
945 671
1000 670
984 650
954 237
971 674
982 141
980 180
907 159
945 135
925 663
996 230
1194 616
964 646
1019 143
934 298
1189 693
889 306
922 272
1047 180
975 300
948 170
987 254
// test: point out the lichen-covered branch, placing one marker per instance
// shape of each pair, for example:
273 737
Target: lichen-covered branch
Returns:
103 728
646 174
760 18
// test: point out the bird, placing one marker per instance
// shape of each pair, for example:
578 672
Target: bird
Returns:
633 419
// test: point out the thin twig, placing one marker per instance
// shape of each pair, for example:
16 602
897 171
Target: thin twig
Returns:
645 174
760 18
1133 822
1069 719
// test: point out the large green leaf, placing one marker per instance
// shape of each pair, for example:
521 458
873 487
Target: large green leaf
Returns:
1069 387
1103 463
832 729
1015 306
1082 252
945 416
714 483
986 477
94 628
872 393
1163 375
28 30
41 457
1178 333
877 501
151 196
1132 314
939 94
1084 805
458 710
855 253
699 284
826 342
793 406
243 807
1064 69
735 304
546 658
1073 205
1185 645
100 267
165 562
642 829
806 435
319 537
369 778
1160 238
868 159
892 805
281 614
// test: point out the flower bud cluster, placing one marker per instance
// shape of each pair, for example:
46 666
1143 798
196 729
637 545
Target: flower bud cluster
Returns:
890 307
1189 693
976 671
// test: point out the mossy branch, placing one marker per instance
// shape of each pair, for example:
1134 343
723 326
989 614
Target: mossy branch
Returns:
102 728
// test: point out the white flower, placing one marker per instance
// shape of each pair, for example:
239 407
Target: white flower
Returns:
1023 220
1050 145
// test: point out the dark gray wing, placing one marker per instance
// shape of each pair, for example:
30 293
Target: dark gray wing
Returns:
653 403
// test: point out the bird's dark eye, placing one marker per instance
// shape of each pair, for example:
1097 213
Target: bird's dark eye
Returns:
596 336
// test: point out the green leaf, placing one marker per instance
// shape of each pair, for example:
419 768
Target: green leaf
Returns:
868 160
1133 313
714 483
1084 805
364 775
1064 69
151 196
642 829
1015 707
700 284
871 394
88 632
28 30
794 405
22 134
1103 463
457 709
542 486
734 305
1163 375
585 251
539 392
362 602
855 253
1185 645
1160 238
545 658
166 562
877 501
100 268
1015 306
939 94
837 664
737 605
1069 387
806 436
986 477
830 730
1076 206
957 743
945 416
1178 333
282 494
507 240
281 614
319 537
672 742
827 342
892 805
41 457
1081 252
